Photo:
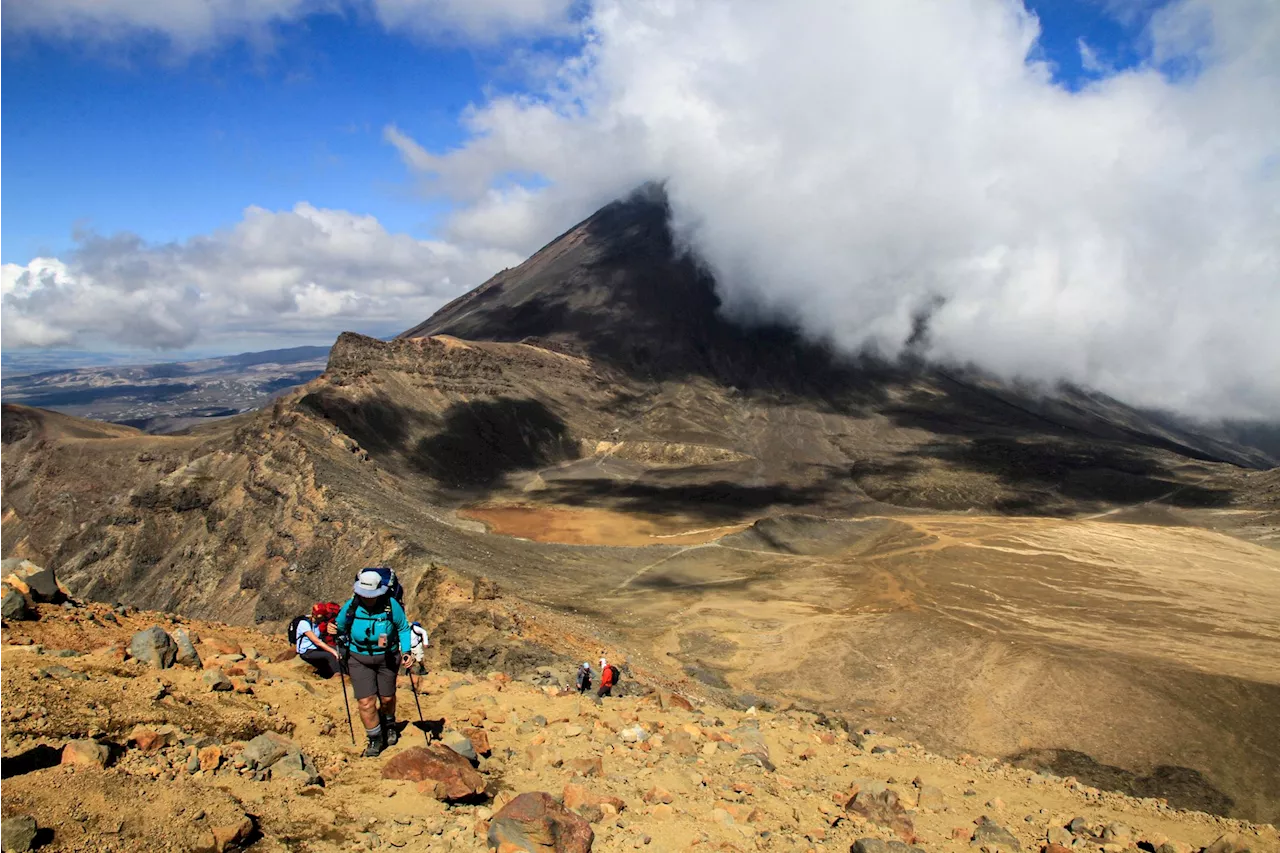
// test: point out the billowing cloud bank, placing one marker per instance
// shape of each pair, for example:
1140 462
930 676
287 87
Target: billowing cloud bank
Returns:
857 165
305 271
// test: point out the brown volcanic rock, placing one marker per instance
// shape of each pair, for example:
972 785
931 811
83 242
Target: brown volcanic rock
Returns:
536 822
456 779
883 809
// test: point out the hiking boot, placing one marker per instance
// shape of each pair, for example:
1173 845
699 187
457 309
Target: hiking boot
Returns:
391 733
374 749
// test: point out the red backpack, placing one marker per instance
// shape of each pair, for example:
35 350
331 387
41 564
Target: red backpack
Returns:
322 614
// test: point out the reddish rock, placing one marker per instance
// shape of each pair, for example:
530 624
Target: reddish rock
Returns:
209 757
222 645
87 753
436 763
479 740
883 809
222 838
658 795
577 795
662 811
1056 848
593 766
148 740
536 822
827 739
675 700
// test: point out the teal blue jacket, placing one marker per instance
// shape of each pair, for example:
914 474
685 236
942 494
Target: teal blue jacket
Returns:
363 626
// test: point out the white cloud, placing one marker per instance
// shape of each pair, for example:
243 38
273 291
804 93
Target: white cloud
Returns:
853 163
193 25
305 272
478 20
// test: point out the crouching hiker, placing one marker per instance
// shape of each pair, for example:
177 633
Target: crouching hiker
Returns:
310 639
378 641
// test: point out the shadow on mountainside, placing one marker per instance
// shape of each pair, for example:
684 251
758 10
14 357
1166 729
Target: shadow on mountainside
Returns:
472 443
481 441
1051 469
719 500
1183 787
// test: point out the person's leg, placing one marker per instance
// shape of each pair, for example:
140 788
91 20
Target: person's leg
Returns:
387 690
325 664
364 682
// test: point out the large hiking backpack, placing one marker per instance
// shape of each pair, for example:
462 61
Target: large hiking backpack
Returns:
324 613
293 628
389 578
609 677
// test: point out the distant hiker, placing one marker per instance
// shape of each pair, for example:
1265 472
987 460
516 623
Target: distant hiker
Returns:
310 639
418 649
608 678
378 640
584 677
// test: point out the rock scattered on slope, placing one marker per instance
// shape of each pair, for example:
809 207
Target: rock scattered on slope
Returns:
86 753
534 821
13 606
441 772
991 837
154 647
18 833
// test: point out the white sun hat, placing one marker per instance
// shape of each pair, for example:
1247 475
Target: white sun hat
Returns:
369 584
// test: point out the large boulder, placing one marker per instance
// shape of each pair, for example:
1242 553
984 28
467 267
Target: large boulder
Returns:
36 581
451 776
154 647
535 822
13 606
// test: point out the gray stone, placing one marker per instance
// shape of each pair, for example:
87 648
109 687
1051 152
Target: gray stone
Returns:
1079 826
1116 832
1058 835
187 654
882 750
460 744
13 607
193 761
295 767
18 833
266 749
994 837
217 680
154 647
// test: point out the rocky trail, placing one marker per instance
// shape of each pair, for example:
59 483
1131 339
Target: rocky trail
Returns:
128 730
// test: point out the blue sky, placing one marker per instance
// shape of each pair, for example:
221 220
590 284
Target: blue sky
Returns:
129 139
219 176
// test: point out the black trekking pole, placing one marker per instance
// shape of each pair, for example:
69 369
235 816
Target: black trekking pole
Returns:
342 677
414 685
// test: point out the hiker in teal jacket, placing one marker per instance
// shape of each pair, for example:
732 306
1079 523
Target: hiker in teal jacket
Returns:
377 640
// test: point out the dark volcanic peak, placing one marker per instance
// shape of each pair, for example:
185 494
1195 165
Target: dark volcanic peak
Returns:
616 287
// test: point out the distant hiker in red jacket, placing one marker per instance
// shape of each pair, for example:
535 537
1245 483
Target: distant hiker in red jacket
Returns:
608 678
